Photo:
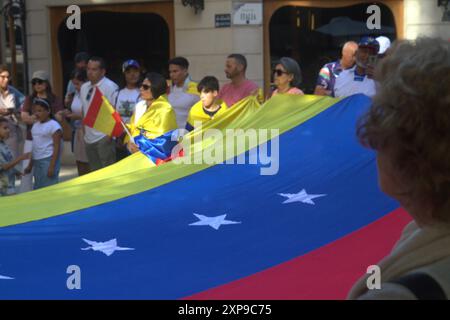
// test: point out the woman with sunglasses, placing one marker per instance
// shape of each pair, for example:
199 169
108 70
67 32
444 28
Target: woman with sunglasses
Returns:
287 76
41 89
153 115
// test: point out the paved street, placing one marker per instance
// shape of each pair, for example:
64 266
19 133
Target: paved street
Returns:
68 167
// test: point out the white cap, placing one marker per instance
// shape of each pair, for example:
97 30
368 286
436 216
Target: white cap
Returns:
41 75
385 43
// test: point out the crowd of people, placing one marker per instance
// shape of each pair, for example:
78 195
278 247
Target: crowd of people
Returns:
147 103
408 126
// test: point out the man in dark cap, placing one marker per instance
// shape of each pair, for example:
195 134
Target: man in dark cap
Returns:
356 79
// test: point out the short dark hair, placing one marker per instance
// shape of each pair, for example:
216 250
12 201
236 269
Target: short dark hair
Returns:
239 59
80 75
158 84
81 56
180 61
208 84
3 68
99 60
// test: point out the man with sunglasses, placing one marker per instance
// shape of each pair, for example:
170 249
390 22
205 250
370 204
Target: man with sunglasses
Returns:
100 148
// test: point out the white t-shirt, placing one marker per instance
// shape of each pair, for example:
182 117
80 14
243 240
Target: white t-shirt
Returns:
349 83
7 102
181 103
43 138
126 102
109 90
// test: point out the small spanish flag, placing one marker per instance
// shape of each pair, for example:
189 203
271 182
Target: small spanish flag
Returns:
103 117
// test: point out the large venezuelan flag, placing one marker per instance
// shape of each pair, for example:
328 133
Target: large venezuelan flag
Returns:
102 116
140 231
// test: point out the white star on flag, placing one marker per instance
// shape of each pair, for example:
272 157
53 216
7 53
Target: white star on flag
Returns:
107 247
5 278
302 196
213 222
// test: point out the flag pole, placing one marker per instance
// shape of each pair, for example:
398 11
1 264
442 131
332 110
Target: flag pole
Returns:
127 131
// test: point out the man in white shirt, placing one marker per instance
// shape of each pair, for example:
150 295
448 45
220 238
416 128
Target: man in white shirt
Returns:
100 148
356 79
183 93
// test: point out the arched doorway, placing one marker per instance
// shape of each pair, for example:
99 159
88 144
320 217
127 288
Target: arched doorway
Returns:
300 29
115 32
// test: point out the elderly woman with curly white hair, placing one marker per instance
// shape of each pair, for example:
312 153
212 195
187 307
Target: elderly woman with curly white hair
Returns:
409 127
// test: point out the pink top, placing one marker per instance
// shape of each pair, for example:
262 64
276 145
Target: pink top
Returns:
292 90
232 94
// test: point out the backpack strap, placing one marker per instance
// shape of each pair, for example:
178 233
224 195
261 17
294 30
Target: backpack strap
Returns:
422 285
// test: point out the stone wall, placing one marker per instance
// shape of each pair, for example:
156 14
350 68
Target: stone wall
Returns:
424 17
207 47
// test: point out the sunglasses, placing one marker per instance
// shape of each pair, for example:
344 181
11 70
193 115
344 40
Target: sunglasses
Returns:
37 81
145 86
279 72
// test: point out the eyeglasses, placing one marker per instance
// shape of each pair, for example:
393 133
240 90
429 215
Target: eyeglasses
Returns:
145 86
37 81
279 72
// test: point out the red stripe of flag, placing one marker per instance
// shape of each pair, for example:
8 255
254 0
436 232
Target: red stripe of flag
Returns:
118 128
161 161
326 273
94 109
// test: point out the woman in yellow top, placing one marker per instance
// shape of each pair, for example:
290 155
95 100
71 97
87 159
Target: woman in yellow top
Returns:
153 115
209 106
